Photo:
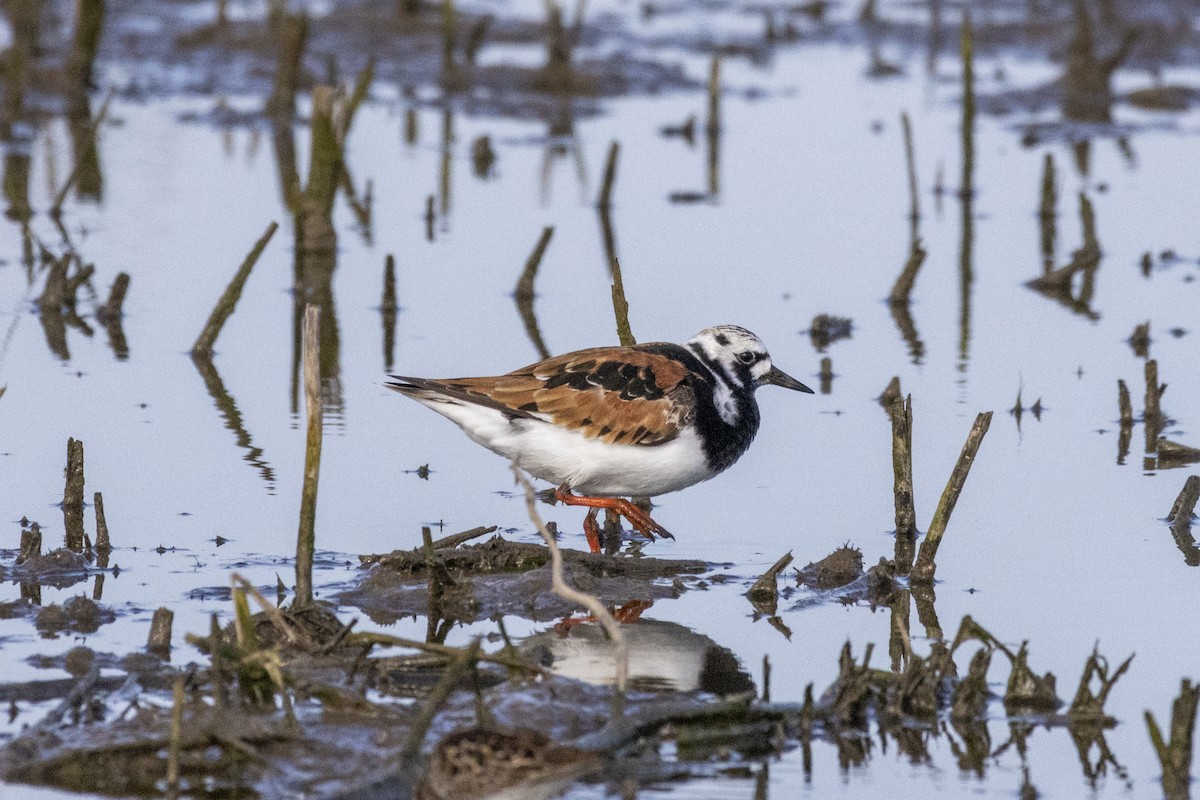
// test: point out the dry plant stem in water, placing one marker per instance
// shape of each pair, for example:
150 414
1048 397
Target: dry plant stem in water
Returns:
306 540
560 587
925 566
228 301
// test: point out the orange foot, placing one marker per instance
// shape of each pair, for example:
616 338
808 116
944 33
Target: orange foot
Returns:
639 519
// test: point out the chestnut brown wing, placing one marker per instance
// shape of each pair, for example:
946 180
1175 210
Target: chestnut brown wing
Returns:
619 395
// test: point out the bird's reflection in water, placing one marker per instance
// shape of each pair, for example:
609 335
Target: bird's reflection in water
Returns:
662 655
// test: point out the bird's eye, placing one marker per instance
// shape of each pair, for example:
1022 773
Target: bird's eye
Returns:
747 357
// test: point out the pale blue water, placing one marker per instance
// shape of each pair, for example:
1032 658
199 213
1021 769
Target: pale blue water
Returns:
1058 543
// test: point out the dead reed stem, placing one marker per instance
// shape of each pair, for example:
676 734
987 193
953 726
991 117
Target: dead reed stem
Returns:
908 276
1175 754
610 176
914 205
31 543
1047 213
571 595
347 110
175 737
826 374
925 566
902 487
523 294
89 24
306 540
111 311
524 288
73 496
292 33
389 309
229 298
159 640
764 594
85 149
621 307
1153 417
1185 503
1123 403
103 544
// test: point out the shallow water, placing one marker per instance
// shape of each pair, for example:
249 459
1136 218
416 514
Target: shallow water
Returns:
1052 541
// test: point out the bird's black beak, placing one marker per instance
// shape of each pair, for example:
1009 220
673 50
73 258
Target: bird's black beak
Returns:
781 378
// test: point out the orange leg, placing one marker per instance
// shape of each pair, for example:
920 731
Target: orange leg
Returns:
626 614
591 529
639 519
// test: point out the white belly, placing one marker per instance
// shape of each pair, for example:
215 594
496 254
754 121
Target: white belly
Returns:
588 466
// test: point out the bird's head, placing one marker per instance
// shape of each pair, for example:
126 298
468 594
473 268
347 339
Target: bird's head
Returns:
742 357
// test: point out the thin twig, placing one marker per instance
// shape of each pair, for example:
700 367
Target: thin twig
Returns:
562 589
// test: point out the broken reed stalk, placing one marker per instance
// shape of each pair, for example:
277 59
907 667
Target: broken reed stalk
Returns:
175 737
571 595
103 544
389 308
914 207
621 307
362 85
159 640
908 276
1123 402
54 293
455 539
764 594
31 543
1154 391
966 46
1047 213
902 486
1175 754
73 496
925 566
1049 195
292 33
229 298
524 289
84 150
826 374
111 311
89 23
714 95
306 540
451 77
1185 503
610 176
891 393
324 168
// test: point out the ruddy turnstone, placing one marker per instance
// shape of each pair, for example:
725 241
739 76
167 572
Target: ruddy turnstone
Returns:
616 422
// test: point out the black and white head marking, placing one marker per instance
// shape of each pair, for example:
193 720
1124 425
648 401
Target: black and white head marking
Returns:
739 362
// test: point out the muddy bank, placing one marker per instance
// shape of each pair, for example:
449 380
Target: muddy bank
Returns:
504 578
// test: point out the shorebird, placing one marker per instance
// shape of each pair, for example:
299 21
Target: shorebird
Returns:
608 423
520 764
